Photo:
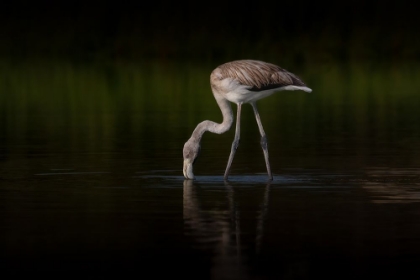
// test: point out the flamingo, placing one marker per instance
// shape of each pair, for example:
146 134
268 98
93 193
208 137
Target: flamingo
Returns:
240 82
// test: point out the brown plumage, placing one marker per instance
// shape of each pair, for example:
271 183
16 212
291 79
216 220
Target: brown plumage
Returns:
259 75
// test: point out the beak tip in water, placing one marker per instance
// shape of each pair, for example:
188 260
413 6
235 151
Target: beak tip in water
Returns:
188 170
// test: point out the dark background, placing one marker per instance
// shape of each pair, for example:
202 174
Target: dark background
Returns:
211 30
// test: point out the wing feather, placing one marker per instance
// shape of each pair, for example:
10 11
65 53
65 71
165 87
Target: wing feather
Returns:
258 75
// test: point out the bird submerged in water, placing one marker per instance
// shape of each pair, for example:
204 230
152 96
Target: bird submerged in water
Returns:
240 81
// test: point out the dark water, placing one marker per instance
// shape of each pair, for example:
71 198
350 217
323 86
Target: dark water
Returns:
91 174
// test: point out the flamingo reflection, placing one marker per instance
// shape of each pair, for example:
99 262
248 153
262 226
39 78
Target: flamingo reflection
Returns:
219 230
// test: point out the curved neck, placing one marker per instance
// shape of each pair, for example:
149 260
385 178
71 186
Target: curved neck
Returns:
213 127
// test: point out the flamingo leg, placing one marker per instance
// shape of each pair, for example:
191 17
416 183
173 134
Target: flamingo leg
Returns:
235 142
263 141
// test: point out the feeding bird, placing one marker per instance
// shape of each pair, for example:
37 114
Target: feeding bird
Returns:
240 82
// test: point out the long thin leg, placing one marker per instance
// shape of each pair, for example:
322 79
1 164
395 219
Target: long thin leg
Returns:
235 142
263 140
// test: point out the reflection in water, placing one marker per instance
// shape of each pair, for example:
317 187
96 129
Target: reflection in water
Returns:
393 185
262 218
222 230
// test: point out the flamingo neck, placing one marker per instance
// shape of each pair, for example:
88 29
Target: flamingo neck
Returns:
214 127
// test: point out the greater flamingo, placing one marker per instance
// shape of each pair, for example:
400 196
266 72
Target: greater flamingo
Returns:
240 81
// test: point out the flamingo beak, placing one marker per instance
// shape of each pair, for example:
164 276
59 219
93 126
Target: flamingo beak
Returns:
188 169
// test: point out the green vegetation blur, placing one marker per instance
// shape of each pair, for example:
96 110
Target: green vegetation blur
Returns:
98 73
